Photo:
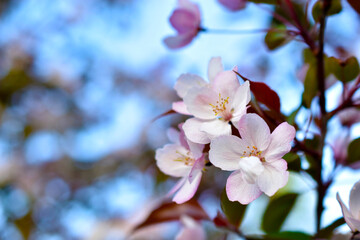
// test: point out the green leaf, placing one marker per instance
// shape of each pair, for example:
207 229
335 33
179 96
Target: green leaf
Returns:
346 70
277 211
353 151
328 231
317 10
293 160
234 211
275 38
288 235
310 86
291 118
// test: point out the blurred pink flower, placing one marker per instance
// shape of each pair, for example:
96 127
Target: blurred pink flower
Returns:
186 21
349 116
233 5
340 146
352 215
184 159
256 158
191 230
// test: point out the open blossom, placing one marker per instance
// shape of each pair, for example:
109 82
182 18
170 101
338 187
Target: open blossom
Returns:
189 81
233 5
224 100
352 215
255 158
184 159
186 21
213 104
191 230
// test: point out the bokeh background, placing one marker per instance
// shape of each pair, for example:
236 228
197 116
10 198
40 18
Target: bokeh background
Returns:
80 84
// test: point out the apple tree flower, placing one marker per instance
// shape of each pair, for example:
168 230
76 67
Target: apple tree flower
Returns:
233 5
255 158
352 215
184 159
186 21
191 230
224 100
189 81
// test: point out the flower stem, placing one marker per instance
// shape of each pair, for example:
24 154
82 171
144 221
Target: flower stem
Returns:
322 187
248 31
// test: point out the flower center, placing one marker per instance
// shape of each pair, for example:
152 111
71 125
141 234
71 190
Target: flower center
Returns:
220 105
185 158
253 151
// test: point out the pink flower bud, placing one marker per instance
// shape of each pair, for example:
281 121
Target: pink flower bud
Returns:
233 5
186 21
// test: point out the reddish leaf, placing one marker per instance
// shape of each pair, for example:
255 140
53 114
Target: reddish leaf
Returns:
355 5
264 94
170 211
220 220
163 115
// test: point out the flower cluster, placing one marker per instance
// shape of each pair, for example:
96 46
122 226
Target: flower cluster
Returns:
218 108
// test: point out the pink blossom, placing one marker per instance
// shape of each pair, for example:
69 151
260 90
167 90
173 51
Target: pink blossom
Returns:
349 116
256 158
184 159
186 21
340 146
352 215
233 5
191 230
224 100
189 81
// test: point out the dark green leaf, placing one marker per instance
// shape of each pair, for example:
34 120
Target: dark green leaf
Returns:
292 116
310 86
234 211
275 38
345 71
317 10
277 211
328 231
293 160
288 235
353 151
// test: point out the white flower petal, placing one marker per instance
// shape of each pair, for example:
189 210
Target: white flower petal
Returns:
241 98
196 149
167 160
225 83
238 189
188 81
254 130
198 102
215 67
347 215
180 107
196 169
280 142
226 152
251 168
192 131
354 201
215 128
187 191
273 177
